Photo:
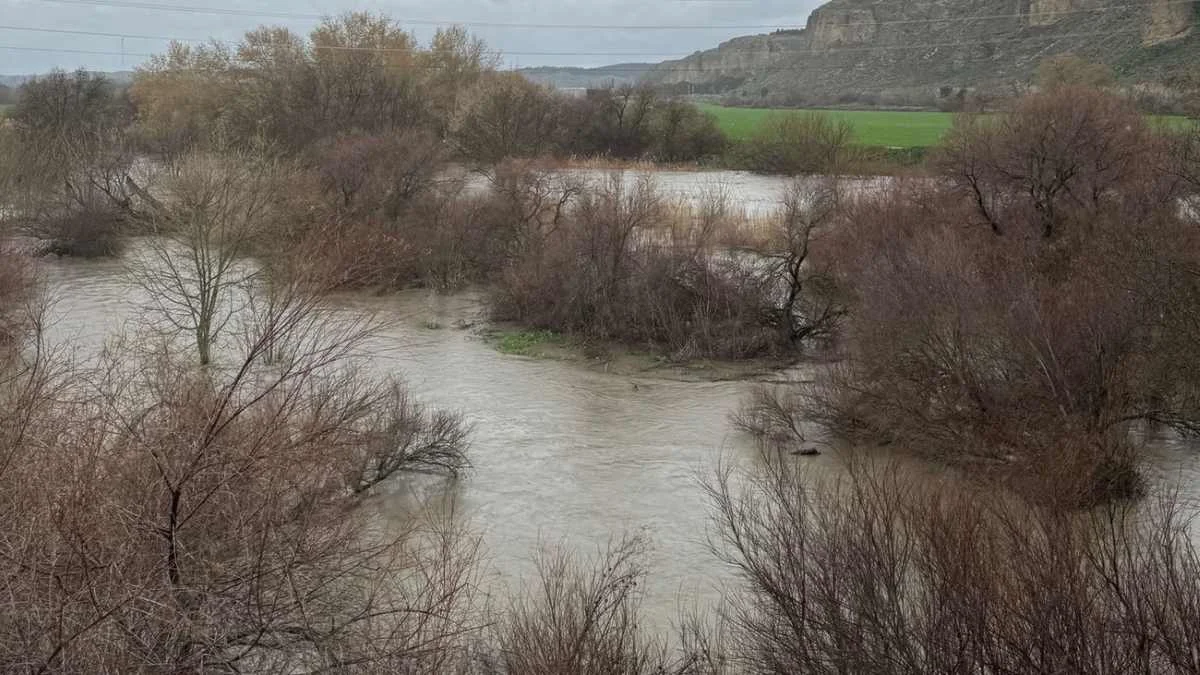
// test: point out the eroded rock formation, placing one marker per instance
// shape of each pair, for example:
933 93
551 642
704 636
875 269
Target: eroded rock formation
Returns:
853 46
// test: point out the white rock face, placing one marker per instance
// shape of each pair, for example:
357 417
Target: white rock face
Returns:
1050 12
1169 20
831 26
922 46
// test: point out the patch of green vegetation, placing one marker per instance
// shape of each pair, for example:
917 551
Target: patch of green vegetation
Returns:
885 128
526 342
1171 122
5 108
877 128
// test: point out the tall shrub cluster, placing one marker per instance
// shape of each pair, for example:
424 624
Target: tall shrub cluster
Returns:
70 164
1029 306
616 262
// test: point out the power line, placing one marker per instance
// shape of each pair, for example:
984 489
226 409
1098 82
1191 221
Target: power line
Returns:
136 4
231 43
63 50
132 4
1050 37
661 68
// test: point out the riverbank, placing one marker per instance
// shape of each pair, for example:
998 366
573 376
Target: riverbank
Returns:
627 361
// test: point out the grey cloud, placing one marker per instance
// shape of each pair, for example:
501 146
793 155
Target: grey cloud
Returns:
573 46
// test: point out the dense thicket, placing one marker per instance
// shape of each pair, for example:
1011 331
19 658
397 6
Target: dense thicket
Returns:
82 158
363 74
69 162
1028 306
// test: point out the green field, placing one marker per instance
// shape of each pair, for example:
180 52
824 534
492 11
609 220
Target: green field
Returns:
887 128
871 127
4 108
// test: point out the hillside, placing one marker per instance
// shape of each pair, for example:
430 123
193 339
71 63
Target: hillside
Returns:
917 49
583 78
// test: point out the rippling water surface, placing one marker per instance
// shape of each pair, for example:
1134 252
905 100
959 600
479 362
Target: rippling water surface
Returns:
561 452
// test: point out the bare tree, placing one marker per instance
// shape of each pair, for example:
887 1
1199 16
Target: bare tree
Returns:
195 270
506 116
808 306
409 438
1060 159
209 519
799 143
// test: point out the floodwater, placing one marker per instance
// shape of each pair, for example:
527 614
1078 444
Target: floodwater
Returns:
754 194
562 453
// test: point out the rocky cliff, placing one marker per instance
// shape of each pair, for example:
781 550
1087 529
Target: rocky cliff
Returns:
856 47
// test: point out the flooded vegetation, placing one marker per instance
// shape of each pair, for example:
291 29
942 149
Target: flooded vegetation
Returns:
369 383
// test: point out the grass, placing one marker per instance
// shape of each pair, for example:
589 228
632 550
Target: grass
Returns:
879 128
871 127
526 342
5 108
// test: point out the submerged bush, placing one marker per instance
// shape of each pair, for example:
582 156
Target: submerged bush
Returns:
886 572
160 515
18 291
616 263
71 167
1025 311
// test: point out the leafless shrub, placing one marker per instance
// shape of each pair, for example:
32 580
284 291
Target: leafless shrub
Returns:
409 438
1015 317
367 174
1183 163
579 618
684 133
396 218
18 289
975 348
609 122
159 516
195 269
73 162
506 116
1058 161
875 574
620 264
773 416
808 306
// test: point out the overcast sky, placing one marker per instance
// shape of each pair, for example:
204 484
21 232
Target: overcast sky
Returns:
571 32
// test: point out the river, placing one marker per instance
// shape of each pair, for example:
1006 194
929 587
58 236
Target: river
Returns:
561 452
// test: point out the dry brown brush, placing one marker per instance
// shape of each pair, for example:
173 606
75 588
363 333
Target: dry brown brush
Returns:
616 262
163 517
798 143
1028 308
882 571
72 166
578 616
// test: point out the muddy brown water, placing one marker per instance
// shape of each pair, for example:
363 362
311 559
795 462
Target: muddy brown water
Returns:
562 453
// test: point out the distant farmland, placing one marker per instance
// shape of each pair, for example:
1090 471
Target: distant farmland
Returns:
887 128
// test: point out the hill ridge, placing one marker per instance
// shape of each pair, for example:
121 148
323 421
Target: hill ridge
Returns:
931 47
